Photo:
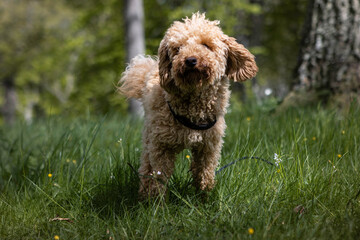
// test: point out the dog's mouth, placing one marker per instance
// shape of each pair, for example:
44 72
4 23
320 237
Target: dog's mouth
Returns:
190 77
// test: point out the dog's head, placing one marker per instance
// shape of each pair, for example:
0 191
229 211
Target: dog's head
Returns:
196 53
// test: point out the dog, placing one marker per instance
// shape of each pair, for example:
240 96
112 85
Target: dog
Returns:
185 94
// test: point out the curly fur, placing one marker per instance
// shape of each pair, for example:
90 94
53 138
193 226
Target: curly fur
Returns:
198 92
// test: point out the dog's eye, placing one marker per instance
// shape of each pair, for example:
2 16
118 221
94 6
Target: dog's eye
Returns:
207 46
176 50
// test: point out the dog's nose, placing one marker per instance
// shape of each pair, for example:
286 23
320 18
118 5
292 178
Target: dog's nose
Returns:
191 62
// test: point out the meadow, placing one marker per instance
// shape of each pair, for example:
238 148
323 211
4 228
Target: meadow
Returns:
73 179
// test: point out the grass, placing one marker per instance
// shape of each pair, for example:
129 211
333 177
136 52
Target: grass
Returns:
78 169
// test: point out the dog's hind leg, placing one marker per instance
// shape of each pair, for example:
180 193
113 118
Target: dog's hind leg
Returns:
144 173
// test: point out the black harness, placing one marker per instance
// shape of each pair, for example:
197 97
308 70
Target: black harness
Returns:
187 123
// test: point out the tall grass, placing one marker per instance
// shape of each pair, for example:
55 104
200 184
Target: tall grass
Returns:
80 170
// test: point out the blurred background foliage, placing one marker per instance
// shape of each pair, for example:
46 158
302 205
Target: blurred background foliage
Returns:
66 56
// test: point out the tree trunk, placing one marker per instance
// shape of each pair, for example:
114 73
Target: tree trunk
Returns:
10 100
135 41
329 63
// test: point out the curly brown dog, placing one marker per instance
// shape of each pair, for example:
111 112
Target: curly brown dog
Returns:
185 95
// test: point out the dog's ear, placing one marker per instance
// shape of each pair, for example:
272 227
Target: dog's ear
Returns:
241 63
165 65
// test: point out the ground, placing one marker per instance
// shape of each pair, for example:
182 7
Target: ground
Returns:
80 170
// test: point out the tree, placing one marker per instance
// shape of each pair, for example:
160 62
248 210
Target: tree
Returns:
277 56
101 58
135 40
33 56
329 63
16 47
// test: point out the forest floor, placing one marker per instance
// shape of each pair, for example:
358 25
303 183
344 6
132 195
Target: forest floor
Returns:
71 179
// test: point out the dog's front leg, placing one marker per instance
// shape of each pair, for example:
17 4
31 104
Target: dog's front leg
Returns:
157 166
205 160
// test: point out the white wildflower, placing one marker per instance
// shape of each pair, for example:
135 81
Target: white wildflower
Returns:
277 159
158 173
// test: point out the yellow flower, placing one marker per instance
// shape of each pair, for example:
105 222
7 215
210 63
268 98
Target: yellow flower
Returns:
74 161
248 119
339 155
313 138
343 132
278 171
305 139
67 160
187 156
56 237
251 231
49 175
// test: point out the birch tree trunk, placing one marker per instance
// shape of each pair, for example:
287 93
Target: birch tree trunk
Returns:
135 41
329 63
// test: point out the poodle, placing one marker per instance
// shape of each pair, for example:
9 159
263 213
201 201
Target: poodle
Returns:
185 93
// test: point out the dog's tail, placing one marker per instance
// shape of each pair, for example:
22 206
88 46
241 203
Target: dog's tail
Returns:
133 80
